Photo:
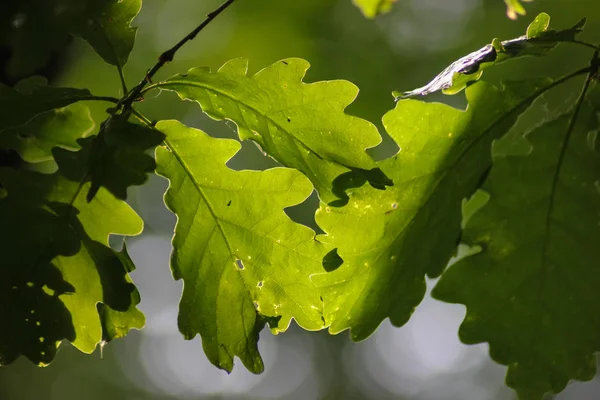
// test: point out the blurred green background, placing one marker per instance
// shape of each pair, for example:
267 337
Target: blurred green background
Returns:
402 50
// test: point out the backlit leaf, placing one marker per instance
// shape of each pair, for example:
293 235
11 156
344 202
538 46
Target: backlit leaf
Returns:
390 239
301 125
372 8
242 260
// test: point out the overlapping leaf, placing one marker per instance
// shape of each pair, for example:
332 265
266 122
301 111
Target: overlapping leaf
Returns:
115 159
57 265
390 239
301 125
242 260
372 8
532 289
538 41
59 127
34 29
21 107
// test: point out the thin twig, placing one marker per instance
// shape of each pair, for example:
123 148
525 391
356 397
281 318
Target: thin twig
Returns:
168 56
122 78
586 44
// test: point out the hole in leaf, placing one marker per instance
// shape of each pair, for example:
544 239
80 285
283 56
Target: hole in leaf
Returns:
332 261
239 264
260 284
48 291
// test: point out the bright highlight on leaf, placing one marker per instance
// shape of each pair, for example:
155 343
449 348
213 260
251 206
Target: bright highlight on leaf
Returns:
242 260
301 125
532 289
390 239
538 41
373 8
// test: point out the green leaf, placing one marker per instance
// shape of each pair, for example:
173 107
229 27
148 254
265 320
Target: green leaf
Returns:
57 266
115 159
303 126
514 8
242 260
372 8
59 127
468 69
390 239
531 290
19 108
117 324
34 29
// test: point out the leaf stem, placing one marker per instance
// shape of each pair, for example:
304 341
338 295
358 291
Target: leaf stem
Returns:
122 78
101 98
168 56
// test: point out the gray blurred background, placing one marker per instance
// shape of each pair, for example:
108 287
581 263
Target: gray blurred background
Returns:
423 360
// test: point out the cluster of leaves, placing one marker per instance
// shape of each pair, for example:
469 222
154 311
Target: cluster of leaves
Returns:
245 264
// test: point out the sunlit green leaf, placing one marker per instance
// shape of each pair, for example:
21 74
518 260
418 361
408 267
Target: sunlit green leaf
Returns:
538 41
372 8
242 260
57 266
301 125
390 239
531 290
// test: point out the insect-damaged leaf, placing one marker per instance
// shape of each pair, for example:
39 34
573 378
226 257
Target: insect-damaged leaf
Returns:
301 125
57 265
531 290
538 41
242 260
390 239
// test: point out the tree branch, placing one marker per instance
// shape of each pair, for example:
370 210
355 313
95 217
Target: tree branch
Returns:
168 56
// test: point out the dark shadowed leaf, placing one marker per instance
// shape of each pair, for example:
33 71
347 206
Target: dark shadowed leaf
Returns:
531 290
18 108
57 265
34 29
116 158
